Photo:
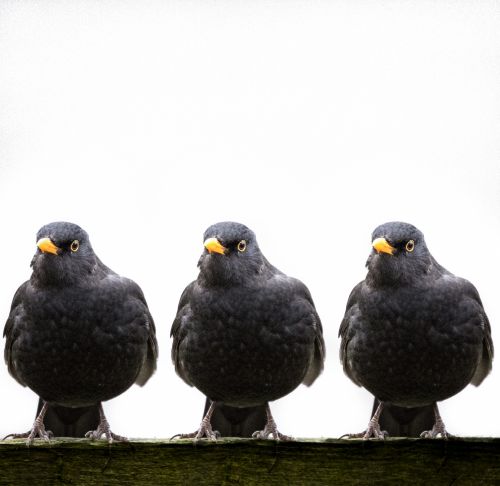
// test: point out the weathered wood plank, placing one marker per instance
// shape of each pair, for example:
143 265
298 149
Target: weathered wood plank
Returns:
240 461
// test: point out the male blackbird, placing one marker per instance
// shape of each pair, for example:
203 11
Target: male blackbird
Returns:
78 333
245 333
413 333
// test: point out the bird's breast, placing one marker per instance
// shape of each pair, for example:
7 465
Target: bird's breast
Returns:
242 347
413 346
76 347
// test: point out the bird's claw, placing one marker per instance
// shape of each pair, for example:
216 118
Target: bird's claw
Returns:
38 431
372 432
266 432
438 429
104 429
110 436
270 429
205 430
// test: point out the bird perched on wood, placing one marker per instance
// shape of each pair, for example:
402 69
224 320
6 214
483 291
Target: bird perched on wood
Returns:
413 333
77 334
245 333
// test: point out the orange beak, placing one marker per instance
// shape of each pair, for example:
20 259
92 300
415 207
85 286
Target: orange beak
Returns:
213 246
46 245
381 245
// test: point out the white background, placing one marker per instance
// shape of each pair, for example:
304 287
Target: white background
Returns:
311 122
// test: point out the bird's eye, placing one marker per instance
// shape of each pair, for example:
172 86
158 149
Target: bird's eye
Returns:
242 246
410 246
74 246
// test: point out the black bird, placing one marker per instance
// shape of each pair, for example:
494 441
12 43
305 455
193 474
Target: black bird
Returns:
77 334
245 333
413 333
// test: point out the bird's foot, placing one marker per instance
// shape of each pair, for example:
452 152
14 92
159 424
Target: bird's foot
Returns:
205 431
373 431
270 429
266 432
437 430
100 431
38 430
104 429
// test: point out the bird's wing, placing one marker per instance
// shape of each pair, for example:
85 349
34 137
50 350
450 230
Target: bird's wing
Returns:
484 366
485 363
11 331
149 365
352 313
178 331
300 291
317 363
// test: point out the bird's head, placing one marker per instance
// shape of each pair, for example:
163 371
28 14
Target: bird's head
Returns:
231 254
64 254
399 254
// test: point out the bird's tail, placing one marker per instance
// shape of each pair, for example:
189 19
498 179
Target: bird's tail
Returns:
70 422
405 422
237 422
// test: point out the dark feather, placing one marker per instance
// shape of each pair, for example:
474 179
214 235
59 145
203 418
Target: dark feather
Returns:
413 333
245 333
78 333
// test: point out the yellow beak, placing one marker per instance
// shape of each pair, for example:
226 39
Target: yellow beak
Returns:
46 245
213 246
381 245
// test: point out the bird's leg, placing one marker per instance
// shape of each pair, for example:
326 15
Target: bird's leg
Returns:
373 429
205 429
437 428
104 429
38 429
270 429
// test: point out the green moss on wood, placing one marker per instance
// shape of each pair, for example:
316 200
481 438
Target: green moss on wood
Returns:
248 462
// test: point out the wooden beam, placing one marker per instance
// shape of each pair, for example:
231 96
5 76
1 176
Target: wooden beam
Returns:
471 461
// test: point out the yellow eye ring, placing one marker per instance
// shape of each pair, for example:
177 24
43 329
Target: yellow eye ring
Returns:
74 246
410 246
242 246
